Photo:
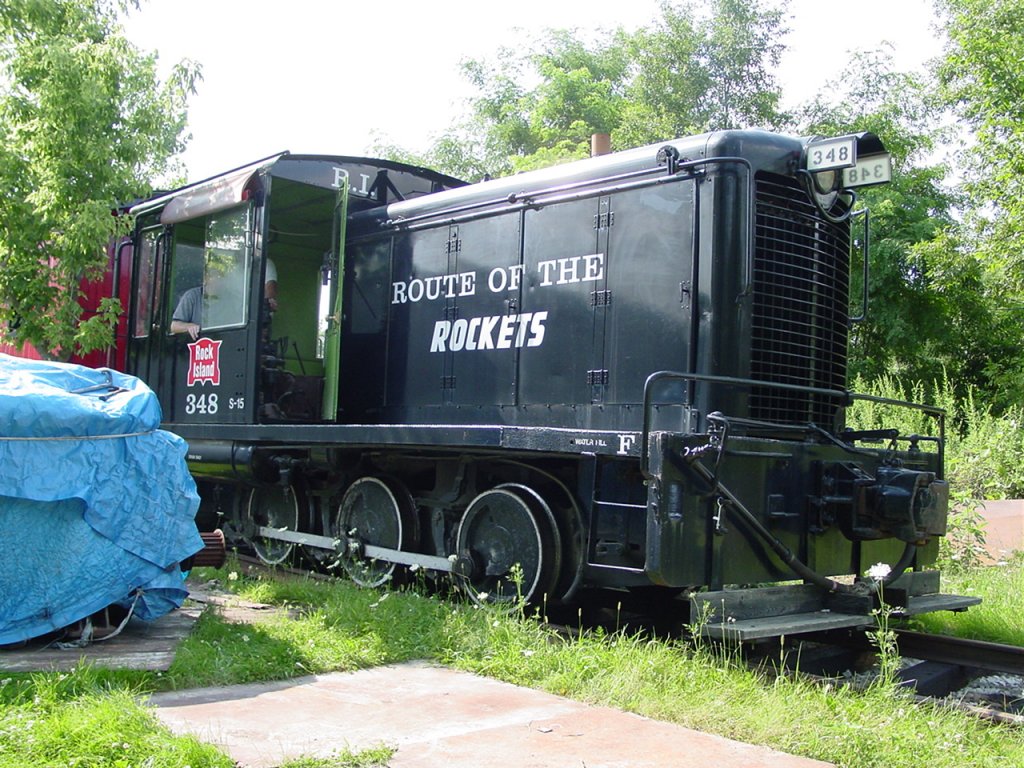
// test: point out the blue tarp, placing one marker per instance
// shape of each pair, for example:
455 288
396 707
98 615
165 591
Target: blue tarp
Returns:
96 503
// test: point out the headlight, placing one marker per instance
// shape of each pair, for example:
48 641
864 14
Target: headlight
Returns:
826 187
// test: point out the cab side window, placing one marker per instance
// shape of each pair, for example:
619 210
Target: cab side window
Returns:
210 270
147 295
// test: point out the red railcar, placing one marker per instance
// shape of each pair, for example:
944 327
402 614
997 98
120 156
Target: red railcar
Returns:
119 269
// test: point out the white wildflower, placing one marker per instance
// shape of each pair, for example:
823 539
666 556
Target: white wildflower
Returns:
879 571
452 558
413 568
233 576
482 596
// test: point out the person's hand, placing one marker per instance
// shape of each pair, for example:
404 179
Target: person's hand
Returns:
193 330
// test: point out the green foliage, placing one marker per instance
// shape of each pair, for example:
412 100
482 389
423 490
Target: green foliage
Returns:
984 450
963 547
997 619
459 153
883 638
85 125
699 66
697 72
377 757
579 92
987 454
981 76
924 319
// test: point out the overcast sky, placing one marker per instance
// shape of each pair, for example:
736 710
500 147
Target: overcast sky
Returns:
324 77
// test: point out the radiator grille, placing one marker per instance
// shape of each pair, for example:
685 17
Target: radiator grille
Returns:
801 304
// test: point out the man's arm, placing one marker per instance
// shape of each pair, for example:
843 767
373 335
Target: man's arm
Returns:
183 326
187 312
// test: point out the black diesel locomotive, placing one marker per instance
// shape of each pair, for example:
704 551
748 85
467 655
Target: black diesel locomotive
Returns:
627 372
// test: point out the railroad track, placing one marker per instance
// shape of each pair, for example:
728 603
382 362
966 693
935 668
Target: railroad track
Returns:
941 668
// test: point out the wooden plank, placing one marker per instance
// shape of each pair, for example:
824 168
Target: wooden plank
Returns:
929 603
140 645
776 626
740 604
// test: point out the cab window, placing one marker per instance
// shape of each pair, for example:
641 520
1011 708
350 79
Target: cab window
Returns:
210 270
147 297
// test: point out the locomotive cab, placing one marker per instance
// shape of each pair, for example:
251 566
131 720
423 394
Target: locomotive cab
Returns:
236 284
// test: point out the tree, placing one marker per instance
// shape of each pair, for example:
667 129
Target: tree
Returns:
924 321
982 78
85 124
579 91
701 66
697 72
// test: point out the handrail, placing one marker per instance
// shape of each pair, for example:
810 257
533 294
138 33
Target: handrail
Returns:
865 254
570 192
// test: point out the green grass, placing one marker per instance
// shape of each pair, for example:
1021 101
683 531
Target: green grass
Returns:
339 627
80 720
998 618
368 758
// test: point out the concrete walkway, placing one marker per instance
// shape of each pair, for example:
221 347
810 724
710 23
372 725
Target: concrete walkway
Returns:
1004 528
440 718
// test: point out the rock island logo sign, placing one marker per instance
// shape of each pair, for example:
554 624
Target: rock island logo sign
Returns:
204 362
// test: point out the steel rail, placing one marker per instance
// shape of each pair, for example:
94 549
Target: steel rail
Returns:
976 654
979 654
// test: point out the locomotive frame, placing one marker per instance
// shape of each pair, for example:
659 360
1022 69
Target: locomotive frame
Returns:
627 372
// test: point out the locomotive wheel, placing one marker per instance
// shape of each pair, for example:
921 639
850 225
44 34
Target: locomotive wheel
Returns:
379 512
273 507
510 541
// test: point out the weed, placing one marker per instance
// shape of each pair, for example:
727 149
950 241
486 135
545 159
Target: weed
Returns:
963 547
375 757
72 719
883 637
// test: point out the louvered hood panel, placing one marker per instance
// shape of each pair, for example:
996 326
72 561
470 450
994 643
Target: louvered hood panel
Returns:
801 305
